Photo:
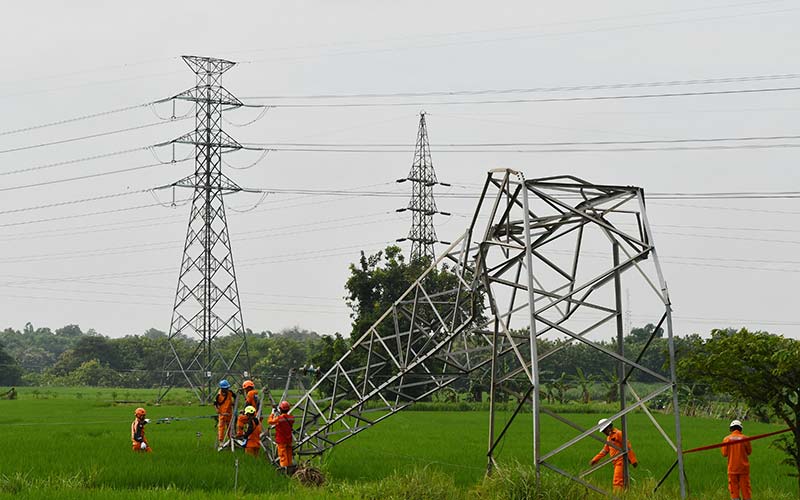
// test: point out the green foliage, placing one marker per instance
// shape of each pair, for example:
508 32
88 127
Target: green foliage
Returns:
10 371
518 482
418 483
758 368
380 279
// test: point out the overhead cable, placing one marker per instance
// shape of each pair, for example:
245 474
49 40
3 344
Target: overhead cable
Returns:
530 90
87 176
410 150
85 137
523 101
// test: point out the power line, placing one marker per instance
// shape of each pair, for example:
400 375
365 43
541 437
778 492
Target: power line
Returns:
529 90
138 248
74 161
470 196
522 101
73 202
543 144
78 216
735 209
74 119
85 137
151 205
91 176
540 151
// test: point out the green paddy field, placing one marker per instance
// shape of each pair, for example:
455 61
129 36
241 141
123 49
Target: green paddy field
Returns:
74 443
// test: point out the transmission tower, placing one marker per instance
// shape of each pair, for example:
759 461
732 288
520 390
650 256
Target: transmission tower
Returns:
528 285
422 205
207 304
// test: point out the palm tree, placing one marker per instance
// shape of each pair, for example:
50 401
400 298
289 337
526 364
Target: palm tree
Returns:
584 383
562 385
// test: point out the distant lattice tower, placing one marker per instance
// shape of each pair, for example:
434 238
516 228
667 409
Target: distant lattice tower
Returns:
207 304
422 204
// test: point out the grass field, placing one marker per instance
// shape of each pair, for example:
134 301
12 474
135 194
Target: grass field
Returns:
74 443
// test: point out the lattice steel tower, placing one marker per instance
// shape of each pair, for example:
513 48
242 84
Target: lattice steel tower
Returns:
422 205
207 302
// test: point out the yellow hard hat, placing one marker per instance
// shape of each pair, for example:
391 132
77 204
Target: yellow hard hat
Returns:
249 410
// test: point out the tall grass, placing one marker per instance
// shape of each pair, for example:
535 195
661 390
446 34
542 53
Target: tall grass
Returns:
70 447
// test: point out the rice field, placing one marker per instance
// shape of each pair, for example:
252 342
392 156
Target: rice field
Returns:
74 443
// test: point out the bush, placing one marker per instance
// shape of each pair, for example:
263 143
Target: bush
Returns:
415 484
518 482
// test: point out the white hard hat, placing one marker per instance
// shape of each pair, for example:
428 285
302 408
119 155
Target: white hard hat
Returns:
143 446
736 423
604 423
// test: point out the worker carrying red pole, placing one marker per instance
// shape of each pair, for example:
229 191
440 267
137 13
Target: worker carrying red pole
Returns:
613 447
738 464
738 458
283 422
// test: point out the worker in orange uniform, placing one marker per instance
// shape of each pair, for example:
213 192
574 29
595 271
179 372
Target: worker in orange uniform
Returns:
138 439
613 446
283 423
248 431
738 464
250 394
223 402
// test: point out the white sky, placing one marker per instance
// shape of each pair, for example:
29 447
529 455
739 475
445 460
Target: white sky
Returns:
116 272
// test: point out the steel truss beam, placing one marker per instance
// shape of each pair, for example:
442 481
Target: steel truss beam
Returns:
521 277
207 304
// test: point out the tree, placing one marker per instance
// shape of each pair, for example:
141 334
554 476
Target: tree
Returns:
381 279
584 383
93 373
561 385
640 335
758 368
10 371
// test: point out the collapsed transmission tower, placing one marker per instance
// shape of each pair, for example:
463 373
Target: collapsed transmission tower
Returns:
422 205
539 268
207 304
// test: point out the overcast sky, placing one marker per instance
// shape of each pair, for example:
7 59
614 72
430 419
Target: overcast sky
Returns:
112 264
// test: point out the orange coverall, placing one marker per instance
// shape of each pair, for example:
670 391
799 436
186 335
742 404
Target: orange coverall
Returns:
137 436
615 438
738 465
224 406
283 436
250 428
251 398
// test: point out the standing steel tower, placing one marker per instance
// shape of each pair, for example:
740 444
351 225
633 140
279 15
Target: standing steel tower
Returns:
422 176
207 302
